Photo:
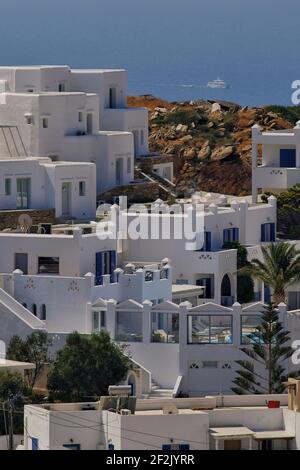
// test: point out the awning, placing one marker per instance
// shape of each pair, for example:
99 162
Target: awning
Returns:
237 432
266 435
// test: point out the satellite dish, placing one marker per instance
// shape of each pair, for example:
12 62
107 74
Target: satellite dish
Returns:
25 222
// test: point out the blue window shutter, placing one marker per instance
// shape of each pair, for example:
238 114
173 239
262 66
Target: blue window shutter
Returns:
225 235
263 232
34 443
184 447
166 447
99 268
208 241
272 226
112 262
236 234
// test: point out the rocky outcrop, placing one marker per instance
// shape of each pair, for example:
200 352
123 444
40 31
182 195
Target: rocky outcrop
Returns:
211 140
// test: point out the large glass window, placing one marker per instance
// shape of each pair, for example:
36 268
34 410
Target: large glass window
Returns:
249 323
129 327
210 329
165 327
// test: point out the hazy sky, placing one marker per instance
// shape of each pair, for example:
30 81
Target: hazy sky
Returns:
155 39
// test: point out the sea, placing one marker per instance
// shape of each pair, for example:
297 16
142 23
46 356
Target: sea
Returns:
171 48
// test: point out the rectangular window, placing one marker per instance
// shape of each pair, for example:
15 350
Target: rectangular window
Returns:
230 235
45 123
21 262
48 265
61 87
128 165
112 98
149 276
206 242
80 116
210 329
82 188
249 323
165 328
99 321
129 327
267 232
7 186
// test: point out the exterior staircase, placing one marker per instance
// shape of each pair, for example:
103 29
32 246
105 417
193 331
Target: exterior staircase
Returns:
158 392
165 185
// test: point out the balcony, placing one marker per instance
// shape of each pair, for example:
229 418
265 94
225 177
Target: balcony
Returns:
275 177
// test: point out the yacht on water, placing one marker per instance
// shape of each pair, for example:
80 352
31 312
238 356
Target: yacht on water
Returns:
217 84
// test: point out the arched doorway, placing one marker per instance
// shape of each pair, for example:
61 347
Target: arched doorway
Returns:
226 296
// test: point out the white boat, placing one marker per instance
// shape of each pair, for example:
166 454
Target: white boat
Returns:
217 84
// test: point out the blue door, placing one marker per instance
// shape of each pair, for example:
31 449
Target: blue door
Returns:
287 158
34 443
99 269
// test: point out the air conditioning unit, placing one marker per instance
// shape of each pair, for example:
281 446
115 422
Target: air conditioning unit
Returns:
125 412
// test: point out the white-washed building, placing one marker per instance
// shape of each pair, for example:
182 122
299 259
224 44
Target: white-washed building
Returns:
280 163
40 183
204 262
78 116
211 423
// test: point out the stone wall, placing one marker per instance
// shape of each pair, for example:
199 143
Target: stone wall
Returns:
9 219
135 192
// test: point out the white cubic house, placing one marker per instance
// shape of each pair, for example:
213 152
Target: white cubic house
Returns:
72 115
280 164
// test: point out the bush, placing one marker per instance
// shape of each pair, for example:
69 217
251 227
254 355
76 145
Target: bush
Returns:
289 113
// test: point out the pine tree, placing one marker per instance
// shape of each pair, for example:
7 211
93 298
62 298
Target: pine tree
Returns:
269 348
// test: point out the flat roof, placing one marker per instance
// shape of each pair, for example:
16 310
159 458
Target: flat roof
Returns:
231 432
186 289
97 70
181 411
32 67
265 435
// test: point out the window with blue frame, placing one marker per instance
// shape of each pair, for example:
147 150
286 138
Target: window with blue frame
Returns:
183 447
72 446
105 264
267 232
206 242
287 158
231 235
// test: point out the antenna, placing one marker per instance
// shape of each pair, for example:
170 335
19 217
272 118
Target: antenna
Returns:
25 222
